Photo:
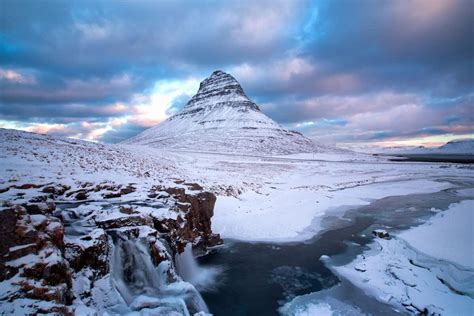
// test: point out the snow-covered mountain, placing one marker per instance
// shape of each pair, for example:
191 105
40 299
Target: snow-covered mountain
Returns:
465 146
454 147
220 117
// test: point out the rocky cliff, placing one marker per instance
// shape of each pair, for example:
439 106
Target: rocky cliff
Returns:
57 252
89 228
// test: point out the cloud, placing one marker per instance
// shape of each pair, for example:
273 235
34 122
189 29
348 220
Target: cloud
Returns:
335 69
54 113
125 131
13 76
295 110
84 130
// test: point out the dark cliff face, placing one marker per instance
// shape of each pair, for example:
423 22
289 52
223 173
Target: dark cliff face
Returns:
199 209
38 230
217 85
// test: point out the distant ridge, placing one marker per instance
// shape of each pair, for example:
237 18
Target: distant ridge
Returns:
458 147
221 118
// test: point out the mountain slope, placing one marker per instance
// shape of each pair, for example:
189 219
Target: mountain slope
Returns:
454 147
458 147
220 117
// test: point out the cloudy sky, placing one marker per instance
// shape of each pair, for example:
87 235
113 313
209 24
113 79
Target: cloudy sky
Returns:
385 72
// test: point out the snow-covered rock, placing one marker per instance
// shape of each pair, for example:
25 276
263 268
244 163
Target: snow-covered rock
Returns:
221 118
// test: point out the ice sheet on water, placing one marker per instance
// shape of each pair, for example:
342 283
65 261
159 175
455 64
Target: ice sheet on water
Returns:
308 305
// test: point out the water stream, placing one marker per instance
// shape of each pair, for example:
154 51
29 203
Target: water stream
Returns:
245 278
135 284
143 285
261 277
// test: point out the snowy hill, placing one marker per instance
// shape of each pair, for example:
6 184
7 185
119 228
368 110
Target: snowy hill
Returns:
455 147
221 118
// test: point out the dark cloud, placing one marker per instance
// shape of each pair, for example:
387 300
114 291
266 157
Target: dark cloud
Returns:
54 114
121 133
105 38
409 45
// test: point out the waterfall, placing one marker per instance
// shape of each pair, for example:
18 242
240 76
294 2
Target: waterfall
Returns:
187 266
190 271
143 285
134 273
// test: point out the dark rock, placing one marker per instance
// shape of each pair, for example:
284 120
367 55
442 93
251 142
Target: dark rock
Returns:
81 195
194 186
112 195
9 239
56 190
132 220
198 209
380 233
27 186
95 253
38 199
40 208
127 190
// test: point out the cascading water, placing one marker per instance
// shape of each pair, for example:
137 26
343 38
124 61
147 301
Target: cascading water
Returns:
142 285
133 272
186 265
190 271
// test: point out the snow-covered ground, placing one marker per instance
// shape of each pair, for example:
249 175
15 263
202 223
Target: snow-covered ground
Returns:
440 237
282 198
27 158
427 267
274 198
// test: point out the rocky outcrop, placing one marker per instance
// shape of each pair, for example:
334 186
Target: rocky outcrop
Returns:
43 255
125 221
92 251
198 209
31 260
380 233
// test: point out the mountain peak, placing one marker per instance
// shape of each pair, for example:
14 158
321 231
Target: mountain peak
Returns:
219 75
221 118
220 88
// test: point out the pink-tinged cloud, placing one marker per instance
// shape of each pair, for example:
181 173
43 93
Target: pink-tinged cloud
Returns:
16 76
82 130
54 129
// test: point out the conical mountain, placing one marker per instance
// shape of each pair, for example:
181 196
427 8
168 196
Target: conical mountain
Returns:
221 118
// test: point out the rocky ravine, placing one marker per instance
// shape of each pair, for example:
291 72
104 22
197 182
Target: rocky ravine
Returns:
61 251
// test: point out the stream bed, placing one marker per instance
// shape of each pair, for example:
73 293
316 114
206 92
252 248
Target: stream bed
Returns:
259 278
